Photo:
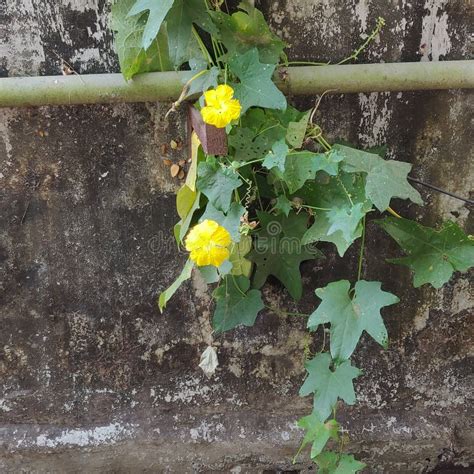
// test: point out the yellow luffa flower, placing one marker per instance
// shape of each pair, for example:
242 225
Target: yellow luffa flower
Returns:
221 108
208 242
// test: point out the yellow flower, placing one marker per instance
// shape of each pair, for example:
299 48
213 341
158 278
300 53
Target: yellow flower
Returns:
220 107
208 242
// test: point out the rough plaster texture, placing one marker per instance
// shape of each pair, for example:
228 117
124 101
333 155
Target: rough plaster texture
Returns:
94 379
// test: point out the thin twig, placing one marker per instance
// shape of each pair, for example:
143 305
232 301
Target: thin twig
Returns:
442 191
26 211
65 71
315 109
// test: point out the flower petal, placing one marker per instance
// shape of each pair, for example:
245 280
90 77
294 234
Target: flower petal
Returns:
224 93
200 257
211 115
208 242
221 237
218 255
200 235
211 98
220 107
234 108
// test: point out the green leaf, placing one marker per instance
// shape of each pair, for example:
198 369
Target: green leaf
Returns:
247 145
225 268
331 463
385 178
329 385
197 155
276 157
256 87
230 220
297 131
242 31
346 221
181 229
235 304
278 251
217 184
344 199
433 255
132 57
199 82
238 251
185 199
327 462
209 274
349 317
301 166
283 205
168 293
260 130
348 465
176 232
317 432
179 21
157 13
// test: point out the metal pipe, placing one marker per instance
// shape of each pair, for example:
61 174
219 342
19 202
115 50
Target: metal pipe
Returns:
167 86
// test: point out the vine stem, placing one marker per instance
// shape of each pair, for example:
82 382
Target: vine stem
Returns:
245 163
316 208
361 254
203 47
394 214
256 187
286 313
269 128
370 38
237 286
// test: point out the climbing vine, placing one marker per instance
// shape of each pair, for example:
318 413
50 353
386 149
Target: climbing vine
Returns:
264 187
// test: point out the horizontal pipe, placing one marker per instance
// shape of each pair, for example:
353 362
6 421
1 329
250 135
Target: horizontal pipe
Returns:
167 86
385 77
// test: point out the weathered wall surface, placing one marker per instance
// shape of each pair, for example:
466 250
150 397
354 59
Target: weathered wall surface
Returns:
94 379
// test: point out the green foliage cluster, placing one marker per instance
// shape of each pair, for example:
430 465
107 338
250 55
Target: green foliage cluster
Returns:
281 190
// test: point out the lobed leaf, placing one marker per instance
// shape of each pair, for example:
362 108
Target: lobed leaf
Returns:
433 255
245 30
349 317
256 87
297 131
179 21
199 78
328 385
217 184
283 205
128 43
276 157
157 12
230 220
386 179
235 304
340 205
348 465
317 432
333 463
301 166
278 251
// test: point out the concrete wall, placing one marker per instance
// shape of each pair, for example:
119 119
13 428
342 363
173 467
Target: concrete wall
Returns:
94 379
